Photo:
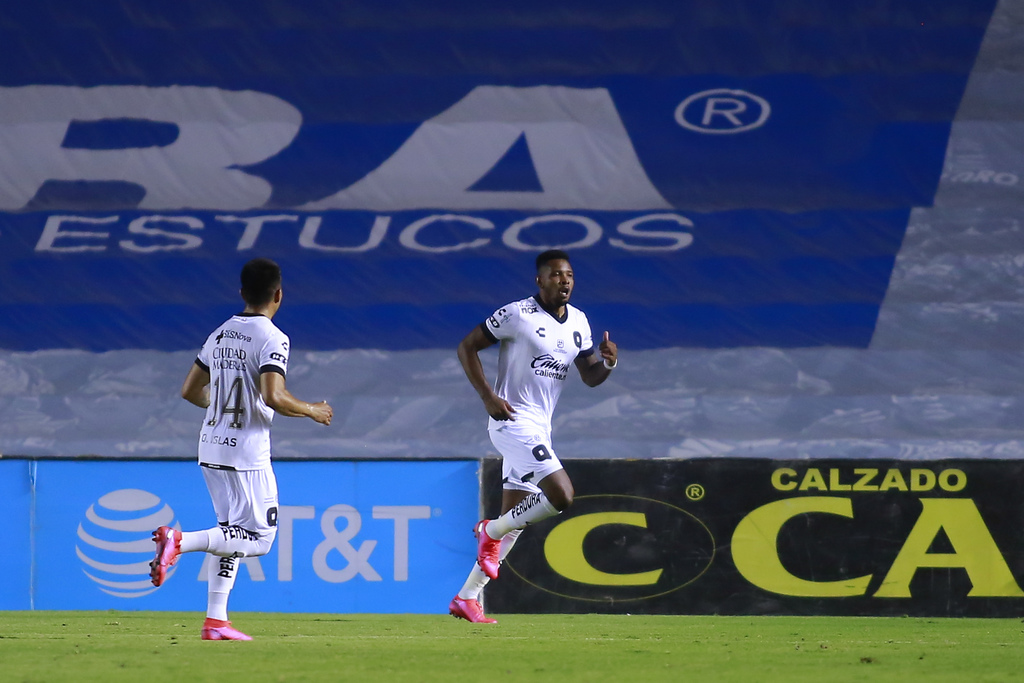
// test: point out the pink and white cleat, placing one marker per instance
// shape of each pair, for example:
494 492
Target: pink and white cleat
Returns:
217 629
487 550
470 610
168 547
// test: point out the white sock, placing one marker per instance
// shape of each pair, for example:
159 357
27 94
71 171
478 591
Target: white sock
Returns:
474 583
221 577
195 541
533 508
477 579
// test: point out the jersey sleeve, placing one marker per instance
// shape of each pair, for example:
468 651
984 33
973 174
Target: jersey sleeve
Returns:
587 341
502 325
274 354
203 358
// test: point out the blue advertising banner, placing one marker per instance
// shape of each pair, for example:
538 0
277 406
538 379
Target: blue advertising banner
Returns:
382 537
729 175
17 480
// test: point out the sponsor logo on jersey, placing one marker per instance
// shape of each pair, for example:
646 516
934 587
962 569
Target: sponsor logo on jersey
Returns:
547 365
279 357
115 541
233 334
229 358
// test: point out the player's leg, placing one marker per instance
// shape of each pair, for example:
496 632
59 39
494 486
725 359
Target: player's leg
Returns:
246 506
466 603
238 537
532 462
250 531
171 542
527 458
220 579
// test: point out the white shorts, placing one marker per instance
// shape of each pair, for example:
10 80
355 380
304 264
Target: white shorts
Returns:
245 498
526 456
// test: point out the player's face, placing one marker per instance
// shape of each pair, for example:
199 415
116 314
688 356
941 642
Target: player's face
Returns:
555 280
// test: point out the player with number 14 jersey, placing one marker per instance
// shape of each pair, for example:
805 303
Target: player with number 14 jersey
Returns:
236 432
239 379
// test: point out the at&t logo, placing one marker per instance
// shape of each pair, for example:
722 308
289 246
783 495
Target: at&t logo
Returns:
116 544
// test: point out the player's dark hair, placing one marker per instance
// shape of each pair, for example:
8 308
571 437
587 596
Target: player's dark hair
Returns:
261 277
551 255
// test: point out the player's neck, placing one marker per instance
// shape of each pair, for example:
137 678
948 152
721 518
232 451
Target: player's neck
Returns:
557 312
266 311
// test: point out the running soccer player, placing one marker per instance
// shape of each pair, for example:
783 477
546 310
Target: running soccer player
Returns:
540 337
247 360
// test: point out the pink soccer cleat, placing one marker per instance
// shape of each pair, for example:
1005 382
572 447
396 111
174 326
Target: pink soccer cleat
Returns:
216 629
470 610
487 550
168 547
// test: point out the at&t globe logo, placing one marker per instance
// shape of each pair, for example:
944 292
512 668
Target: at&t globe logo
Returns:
116 543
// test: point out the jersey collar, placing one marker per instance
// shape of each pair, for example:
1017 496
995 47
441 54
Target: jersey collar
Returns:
561 319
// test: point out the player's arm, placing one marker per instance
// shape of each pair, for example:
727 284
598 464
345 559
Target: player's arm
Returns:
277 396
596 367
469 355
196 388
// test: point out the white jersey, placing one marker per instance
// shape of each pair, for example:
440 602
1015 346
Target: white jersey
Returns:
236 431
536 353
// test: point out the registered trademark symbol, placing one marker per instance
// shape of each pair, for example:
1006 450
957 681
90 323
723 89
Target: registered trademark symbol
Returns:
722 111
694 491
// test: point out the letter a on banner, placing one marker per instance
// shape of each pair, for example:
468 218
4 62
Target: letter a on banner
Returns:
580 150
975 551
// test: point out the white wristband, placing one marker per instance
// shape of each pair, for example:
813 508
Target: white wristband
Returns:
612 366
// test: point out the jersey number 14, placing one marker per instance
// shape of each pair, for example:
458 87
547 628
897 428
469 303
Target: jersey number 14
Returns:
232 404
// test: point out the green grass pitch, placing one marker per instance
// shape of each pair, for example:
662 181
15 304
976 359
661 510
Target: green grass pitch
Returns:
165 646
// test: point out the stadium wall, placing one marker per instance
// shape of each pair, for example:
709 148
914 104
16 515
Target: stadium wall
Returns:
698 536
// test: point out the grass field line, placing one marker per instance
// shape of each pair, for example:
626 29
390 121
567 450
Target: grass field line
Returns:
165 646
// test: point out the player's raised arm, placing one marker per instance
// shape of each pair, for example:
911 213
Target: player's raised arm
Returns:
277 396
596 367
469 355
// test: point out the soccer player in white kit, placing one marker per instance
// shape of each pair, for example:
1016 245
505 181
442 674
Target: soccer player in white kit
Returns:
239 377
540 338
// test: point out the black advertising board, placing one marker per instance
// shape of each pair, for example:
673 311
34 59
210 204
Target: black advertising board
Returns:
754 536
